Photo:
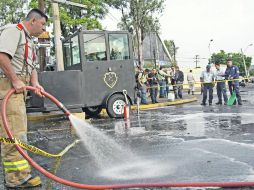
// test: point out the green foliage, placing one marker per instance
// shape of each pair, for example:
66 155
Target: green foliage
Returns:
11 11
172 49
72 17
138 14
251 73
237 59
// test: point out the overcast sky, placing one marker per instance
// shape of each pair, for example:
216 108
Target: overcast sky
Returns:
193 23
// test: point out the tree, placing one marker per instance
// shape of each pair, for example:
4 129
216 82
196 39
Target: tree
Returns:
11 11
237 59
72 17
172 49
137 17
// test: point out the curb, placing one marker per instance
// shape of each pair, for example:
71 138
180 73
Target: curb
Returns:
164 104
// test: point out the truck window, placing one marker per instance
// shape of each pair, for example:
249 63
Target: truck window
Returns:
95 47
75 51
67 53
71 52
119 47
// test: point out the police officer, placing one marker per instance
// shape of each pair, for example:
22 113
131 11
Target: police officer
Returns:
153 82
178 78
232 73
221 87
17 69
207 78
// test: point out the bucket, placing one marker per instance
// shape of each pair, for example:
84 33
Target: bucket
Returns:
171 96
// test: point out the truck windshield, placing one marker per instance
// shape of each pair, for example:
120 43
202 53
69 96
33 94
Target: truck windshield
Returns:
95 47
119 47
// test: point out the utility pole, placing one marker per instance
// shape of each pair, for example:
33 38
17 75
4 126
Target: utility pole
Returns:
57 30
42 51
196 60
57 37
244 64
174 51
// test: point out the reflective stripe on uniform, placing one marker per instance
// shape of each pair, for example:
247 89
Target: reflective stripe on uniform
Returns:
16 166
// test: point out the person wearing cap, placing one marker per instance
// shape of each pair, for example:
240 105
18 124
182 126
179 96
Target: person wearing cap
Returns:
207 78
220 84
232 74
17 69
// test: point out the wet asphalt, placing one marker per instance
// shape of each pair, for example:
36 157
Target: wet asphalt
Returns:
184 143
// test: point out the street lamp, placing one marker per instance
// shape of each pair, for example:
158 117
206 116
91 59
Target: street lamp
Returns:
244 64
209 47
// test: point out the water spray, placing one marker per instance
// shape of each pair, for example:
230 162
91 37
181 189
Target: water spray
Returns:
89 186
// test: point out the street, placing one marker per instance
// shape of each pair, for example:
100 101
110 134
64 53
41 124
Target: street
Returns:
184 143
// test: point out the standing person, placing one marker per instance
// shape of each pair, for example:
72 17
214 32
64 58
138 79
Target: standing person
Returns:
191 82
142 80
221 86
232 73
17 69
178 78
207 78
153 81
162 82
168 81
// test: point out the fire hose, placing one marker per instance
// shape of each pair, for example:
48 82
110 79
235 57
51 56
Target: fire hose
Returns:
92 186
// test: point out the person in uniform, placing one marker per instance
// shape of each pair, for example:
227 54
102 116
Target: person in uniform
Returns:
142 80
153 82
207 78
221 86
178 79
232 73
17 69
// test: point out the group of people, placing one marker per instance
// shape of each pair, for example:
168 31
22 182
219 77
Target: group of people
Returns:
161 79
218 77
166 79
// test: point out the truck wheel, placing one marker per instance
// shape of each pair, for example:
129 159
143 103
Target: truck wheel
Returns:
115 106
92 111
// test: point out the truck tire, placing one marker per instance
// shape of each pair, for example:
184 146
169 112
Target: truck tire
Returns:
92 111
115 106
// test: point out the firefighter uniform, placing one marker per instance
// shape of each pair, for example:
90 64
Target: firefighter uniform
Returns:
16 42
233 72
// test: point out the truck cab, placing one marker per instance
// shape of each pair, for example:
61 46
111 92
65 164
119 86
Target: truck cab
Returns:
98 67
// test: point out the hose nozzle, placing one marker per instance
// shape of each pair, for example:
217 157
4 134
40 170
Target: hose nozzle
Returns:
64 109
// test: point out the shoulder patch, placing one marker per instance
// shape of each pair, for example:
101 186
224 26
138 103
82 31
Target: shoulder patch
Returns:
20 26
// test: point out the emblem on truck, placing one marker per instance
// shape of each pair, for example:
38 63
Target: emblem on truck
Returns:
110 79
